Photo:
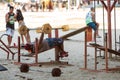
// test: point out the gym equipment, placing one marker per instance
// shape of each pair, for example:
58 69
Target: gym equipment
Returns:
56 72
5 48
74 32
46 28
103 48
24 67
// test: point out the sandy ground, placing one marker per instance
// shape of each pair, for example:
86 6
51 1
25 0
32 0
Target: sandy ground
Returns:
75 47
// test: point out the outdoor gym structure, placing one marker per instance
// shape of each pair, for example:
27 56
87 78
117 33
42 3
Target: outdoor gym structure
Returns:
108 39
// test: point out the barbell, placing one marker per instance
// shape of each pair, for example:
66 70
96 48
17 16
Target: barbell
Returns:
56 72
46 28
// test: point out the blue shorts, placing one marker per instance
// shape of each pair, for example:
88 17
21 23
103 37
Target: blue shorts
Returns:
9 32
92 25
54 41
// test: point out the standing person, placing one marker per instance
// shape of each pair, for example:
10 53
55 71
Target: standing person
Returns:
50 6
10 19
20 19
90 21
36 6
43 6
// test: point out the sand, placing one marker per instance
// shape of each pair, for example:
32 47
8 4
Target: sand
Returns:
75 47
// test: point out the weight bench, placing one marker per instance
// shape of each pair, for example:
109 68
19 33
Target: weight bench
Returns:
57 50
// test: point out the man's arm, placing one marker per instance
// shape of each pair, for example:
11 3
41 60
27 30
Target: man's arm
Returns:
93 16
7 18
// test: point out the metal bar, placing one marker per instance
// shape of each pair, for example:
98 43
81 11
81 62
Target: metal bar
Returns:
74 33
37 28
104 4
103 48
113 5
109 26
56 53
36 50
5 51
85 56
8 49
40 40
56 33
106 53
19 60
95 53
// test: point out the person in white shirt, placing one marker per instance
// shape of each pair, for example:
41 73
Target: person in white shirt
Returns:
91 22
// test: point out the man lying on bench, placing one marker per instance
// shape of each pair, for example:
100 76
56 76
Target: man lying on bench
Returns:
47 44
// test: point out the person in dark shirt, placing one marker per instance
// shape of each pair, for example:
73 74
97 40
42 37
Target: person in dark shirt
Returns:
10 19
20 19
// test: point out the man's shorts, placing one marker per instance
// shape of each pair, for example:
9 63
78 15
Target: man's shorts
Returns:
54 41
92 25
10 32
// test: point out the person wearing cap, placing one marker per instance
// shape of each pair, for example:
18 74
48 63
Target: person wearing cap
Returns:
91 22
10 20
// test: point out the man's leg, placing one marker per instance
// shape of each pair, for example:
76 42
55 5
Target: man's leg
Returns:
97 27
62 52
97 32
9 40
10 33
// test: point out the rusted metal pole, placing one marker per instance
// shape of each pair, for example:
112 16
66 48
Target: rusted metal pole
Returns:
18 49
74 32
36 50
5 51
95 52
8 49
106 52
102 1
40 40
85 56
109 8
57 54
56 33
109 25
